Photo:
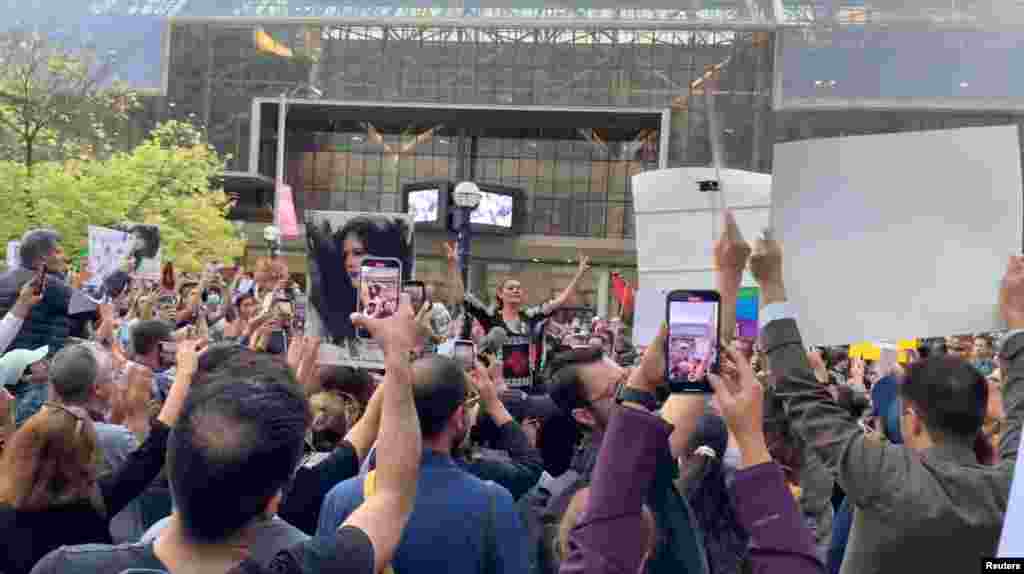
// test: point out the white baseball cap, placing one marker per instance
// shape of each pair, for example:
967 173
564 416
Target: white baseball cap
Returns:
14 363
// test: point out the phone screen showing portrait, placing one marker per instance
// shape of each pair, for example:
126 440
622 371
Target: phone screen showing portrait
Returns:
693 340
380 284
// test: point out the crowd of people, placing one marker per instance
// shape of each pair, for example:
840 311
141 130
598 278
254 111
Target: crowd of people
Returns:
186 425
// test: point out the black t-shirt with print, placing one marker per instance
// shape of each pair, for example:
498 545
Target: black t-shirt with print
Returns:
350 552
523 352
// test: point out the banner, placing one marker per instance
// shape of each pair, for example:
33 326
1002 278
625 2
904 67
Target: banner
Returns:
337 242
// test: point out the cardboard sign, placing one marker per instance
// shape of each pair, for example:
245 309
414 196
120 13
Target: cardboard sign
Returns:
934 215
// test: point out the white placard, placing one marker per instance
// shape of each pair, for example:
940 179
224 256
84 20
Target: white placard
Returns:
897 235
13 260
676 222
108 248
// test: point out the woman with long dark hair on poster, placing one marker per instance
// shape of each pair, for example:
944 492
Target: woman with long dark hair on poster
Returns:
336 256
523 353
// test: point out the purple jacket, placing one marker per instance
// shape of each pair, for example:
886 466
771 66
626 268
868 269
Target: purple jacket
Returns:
609 535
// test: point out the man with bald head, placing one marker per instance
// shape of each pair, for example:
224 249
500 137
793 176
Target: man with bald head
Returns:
459 524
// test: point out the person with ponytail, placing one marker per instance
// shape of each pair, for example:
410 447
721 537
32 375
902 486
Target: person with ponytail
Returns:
703 483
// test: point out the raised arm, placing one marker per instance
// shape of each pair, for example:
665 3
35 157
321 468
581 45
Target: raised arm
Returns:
871 473
731 253
781 542
1011 305
566 294
384 515
364 433
13 320
457 294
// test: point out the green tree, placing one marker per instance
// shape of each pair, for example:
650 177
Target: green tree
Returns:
55 103
165 180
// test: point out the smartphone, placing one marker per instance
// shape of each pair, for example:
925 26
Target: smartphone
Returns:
465 354
40 280
417 292
692 347
380 283
299 317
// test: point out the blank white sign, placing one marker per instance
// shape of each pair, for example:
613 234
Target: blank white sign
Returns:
898 235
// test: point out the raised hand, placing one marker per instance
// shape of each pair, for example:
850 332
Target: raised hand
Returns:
452 251
188 355
584 264
766 265
395 334
741 399
731 251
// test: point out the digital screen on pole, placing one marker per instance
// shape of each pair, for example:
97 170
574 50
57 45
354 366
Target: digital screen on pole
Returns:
423 205
495 209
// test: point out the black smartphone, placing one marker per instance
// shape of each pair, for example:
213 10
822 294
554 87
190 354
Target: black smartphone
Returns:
380 283
692 348
417 292
465 354
40 280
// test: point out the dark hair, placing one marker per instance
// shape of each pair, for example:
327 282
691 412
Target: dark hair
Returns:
73 374
228 359
332 293
345 379
725 540
950 395
150 235
236 445
439 390
147 335
565 386
36 245
167 280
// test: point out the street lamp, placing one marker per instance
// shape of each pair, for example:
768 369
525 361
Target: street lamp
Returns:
466 198
272 237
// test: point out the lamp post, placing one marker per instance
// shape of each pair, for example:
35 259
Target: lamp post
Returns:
466 198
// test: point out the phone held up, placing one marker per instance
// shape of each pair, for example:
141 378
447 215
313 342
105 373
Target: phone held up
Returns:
694 334
380 284
465 354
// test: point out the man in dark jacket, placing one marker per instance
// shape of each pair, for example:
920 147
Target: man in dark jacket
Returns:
48 325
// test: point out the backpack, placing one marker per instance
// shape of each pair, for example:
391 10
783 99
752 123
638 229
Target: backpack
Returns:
489 557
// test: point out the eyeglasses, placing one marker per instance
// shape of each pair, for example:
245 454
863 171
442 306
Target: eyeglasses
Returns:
513 287
78 416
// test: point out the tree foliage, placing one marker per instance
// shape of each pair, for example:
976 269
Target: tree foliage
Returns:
56 103
166 180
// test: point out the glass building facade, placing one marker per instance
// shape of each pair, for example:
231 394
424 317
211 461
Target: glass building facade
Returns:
779 70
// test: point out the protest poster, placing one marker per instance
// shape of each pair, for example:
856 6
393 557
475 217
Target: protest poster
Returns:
13 259
896 235
677 223
336 243
109 249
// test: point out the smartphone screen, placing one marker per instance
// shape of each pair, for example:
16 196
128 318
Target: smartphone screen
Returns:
417 292
692 351
380 280
465 354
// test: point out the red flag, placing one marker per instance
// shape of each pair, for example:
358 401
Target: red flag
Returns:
624 293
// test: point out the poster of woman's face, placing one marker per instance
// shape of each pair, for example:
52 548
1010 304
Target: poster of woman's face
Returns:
336 243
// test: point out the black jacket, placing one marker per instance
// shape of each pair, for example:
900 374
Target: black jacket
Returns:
48 323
